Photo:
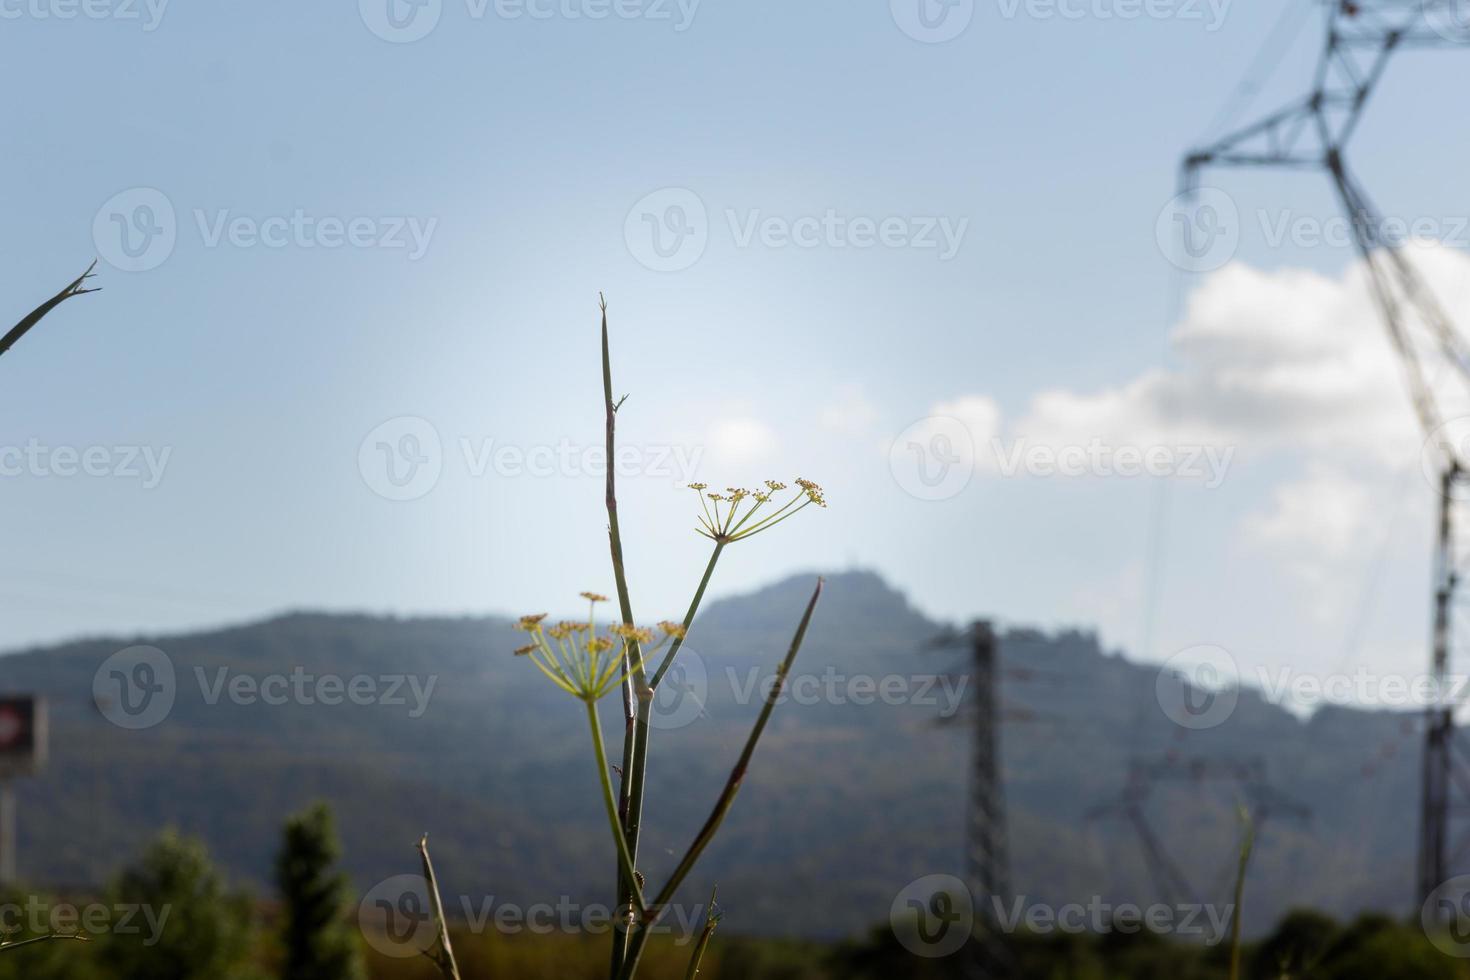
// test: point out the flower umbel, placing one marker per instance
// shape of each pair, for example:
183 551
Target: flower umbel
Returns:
578 660
732 515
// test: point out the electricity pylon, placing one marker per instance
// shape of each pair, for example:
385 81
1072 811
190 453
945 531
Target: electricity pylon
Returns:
987 868
1247 777
1312 134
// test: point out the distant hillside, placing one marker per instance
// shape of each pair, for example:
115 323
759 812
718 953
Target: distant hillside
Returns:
847 801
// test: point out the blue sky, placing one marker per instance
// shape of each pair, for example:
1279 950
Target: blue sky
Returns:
366 228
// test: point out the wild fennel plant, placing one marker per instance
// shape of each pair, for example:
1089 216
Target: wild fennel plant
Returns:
588 665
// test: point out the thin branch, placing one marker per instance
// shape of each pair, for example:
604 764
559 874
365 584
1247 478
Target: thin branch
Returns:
709 571
41 939
443 957
711 921
727 797
74 288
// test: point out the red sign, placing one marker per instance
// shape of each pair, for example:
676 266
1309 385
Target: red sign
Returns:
22 733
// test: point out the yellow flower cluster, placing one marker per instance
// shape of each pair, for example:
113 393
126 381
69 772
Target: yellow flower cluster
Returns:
580 661
727 516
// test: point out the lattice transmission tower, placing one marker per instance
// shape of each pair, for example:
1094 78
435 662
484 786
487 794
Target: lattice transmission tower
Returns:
1312 133
1245 777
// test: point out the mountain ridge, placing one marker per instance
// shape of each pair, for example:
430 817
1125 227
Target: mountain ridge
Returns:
846 801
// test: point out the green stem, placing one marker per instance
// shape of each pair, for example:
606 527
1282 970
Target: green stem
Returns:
709 571
625 883
635 777
627 807
771 519
625 858
614 535
723 804
637 767
710 923
1247 844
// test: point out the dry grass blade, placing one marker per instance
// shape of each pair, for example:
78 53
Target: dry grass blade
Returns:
74 288
443 956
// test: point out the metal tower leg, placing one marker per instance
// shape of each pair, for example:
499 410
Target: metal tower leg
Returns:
986 863
1439 722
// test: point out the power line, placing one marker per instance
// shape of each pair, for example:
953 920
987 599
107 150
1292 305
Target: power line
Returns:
1312 133
1268 58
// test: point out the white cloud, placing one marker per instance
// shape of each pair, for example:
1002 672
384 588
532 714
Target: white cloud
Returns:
1288 365
977 415
1326 527
1266 361
981 415
1325 513
741 439
1288 362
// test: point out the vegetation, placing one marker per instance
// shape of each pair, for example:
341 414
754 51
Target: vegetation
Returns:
588 666
1304 946
317 938
194 928
216 932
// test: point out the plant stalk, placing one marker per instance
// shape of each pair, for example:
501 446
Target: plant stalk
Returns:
1247 844
625 859
74 288
711 921
637 767
668 661
78 937
639 936
629 807
443 957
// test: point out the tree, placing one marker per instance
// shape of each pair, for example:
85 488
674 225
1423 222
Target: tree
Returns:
319 942
1298 945
182 923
